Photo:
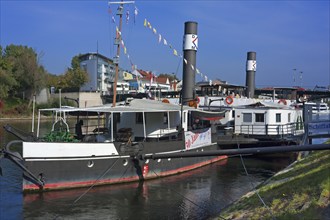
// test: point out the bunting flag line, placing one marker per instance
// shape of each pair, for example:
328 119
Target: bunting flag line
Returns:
136 11
174 51
127 16
122 43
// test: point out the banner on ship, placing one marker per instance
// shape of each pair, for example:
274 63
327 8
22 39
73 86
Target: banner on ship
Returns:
197 139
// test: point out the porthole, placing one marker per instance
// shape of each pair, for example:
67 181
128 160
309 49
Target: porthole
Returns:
147 161
159 160
90 164
169 159
125 162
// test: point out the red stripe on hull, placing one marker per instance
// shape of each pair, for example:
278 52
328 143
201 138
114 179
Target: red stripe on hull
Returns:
150 175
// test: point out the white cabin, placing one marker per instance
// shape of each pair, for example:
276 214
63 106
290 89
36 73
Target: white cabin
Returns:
269 119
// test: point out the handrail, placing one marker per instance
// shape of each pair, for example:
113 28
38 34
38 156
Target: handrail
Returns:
271 129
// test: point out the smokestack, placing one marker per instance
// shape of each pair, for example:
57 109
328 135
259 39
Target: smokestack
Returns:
190 45
251 67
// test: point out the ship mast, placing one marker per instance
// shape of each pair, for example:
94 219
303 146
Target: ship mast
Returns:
117 42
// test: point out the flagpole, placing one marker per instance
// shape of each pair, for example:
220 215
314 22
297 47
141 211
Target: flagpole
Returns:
117 42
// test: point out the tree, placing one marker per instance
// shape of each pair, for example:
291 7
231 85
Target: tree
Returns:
171 77
74 77
7 80
26 70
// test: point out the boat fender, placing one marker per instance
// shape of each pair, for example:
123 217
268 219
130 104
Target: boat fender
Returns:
282 101
229 100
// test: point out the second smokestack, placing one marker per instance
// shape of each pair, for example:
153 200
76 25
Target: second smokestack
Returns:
251 67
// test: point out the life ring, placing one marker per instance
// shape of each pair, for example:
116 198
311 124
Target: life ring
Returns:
192 103
165 101
229 100
282 101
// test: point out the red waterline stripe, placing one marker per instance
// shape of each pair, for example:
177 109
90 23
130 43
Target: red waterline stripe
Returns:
67 185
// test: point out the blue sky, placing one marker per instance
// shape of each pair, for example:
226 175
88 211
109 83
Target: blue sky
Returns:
286 35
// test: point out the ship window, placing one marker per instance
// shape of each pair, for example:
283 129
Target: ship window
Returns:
247 117
139 118
278 117
289 117
260 117
116 117
165 118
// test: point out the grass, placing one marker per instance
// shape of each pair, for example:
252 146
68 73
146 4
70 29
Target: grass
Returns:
302 192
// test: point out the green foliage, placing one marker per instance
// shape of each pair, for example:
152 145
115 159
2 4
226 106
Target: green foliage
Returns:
171 77
21 72
7 81
302 192
59 136
72 79
15 106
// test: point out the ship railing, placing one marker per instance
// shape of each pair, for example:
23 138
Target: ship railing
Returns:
279 130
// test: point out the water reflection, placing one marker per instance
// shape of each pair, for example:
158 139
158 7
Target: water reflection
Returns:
199 194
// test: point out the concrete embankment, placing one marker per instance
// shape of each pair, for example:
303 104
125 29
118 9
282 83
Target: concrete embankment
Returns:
301 191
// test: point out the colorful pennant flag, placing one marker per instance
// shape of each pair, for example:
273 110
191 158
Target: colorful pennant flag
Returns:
159 38
127 17
136 11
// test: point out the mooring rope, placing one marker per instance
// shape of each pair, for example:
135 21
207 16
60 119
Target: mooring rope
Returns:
253 186
84 193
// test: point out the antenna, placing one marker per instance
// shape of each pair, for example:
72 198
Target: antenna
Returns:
294 76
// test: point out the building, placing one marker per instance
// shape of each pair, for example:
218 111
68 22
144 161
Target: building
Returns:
101 72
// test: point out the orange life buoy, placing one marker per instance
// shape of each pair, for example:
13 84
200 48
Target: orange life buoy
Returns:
229 100
165 101
282 101
192 103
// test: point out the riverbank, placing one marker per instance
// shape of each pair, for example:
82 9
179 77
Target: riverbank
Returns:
301 191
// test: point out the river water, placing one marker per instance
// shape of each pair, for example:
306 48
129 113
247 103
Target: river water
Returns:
199 194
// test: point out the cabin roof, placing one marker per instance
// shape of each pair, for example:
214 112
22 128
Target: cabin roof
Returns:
138 105
267 105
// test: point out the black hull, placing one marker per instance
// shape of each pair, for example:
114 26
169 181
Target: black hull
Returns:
84 172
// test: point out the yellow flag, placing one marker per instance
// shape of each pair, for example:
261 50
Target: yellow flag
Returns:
145 23
175 52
